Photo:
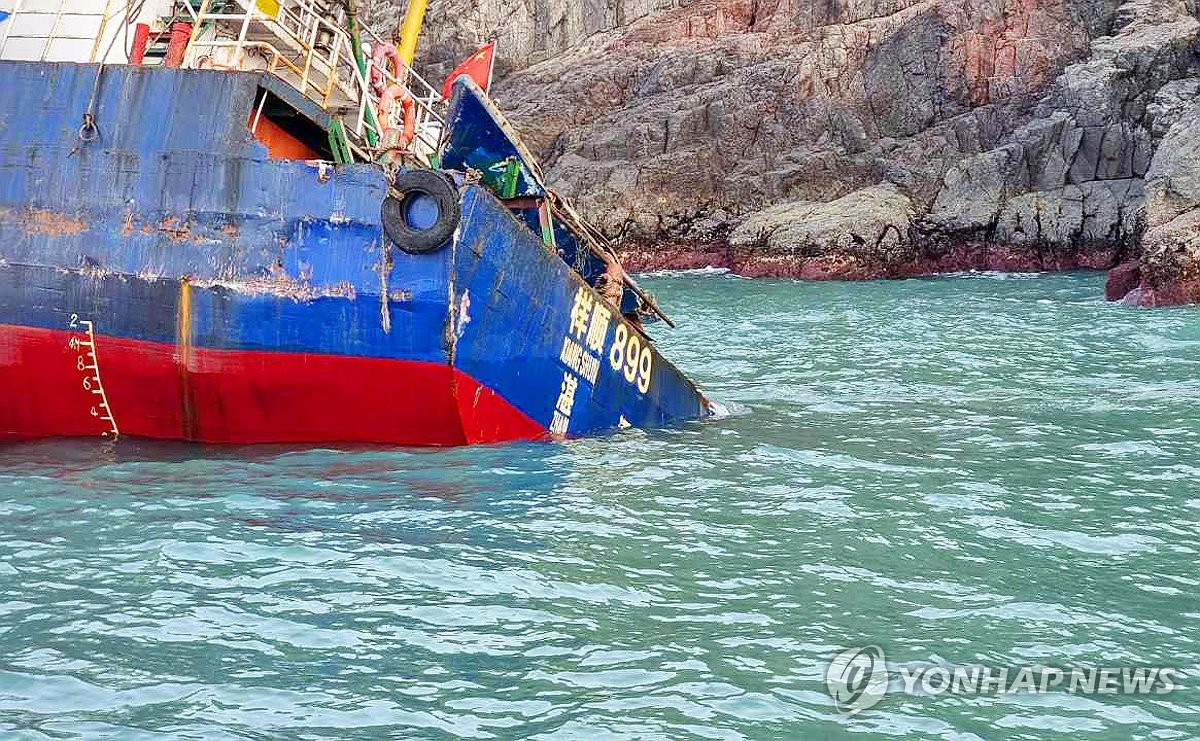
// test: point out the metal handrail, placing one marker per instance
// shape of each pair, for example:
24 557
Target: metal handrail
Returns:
298 45
18 11
304 65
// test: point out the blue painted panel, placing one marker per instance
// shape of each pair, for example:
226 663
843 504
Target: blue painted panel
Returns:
46 298
476 140
279 255
226 319
222 318
171 188
520 300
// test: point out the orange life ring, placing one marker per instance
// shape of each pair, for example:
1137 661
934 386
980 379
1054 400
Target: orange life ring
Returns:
380 56
393 138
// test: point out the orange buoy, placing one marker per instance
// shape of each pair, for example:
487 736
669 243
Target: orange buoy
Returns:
393 138
380 56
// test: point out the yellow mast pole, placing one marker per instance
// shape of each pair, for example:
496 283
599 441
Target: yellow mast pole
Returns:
410 31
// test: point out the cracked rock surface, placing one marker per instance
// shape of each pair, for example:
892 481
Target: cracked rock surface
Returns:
858 138
1170 264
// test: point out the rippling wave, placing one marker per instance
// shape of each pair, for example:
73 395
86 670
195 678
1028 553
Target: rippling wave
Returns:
966 470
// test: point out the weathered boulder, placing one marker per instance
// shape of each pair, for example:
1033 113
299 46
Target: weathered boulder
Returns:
1173 182
1123 280
1170 264
865 232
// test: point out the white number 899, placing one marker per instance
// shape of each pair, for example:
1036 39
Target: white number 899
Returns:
630 357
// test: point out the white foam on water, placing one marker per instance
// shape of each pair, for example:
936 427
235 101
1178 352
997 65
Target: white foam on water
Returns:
710 270
727 411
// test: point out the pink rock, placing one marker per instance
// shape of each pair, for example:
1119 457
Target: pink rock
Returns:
1122 280
1177 294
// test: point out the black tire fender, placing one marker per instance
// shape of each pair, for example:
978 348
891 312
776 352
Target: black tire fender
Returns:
434 185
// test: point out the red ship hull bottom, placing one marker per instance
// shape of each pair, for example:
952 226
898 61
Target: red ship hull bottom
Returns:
52 388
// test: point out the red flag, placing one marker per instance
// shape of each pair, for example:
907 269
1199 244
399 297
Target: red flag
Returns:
478 68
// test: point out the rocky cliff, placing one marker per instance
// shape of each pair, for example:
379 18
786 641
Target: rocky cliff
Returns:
861 138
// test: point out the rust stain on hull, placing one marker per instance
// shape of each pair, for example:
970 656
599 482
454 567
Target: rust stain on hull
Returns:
43 221
174 230
183 345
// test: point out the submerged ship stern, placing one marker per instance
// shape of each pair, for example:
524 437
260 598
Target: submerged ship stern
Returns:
202 254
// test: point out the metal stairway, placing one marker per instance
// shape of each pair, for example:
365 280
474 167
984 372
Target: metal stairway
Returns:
300 43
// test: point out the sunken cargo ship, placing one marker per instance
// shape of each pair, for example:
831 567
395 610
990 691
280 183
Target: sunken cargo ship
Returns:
251 221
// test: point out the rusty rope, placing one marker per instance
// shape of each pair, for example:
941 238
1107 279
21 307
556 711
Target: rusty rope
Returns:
89 131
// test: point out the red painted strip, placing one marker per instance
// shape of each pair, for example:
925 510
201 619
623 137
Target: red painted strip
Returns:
242 397
487 418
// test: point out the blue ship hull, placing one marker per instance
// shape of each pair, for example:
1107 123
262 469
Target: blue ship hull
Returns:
171 280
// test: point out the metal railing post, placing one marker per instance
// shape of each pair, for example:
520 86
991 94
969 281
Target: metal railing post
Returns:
239 54
331 83
100 34
53 29
362 102
308 58
189 58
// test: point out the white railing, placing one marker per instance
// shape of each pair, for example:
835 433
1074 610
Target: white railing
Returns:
292 40
54 30
308 51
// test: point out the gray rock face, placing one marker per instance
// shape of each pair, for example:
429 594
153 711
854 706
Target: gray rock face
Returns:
864 224
1073 174
1173 182
1095 212
1170 265
1027 125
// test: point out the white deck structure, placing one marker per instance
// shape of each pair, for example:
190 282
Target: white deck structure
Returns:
304 43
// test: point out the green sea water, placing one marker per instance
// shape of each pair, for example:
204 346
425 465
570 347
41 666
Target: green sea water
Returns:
983 469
